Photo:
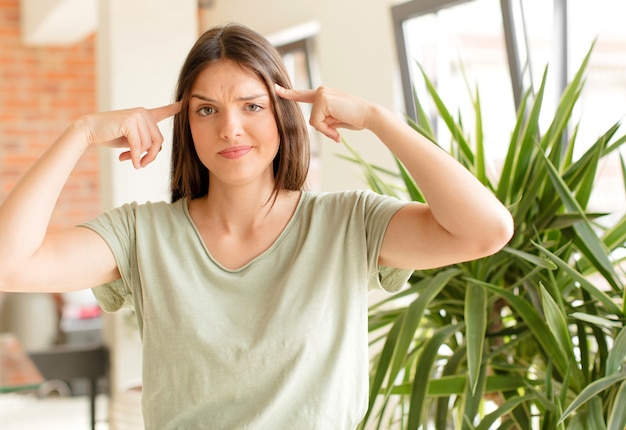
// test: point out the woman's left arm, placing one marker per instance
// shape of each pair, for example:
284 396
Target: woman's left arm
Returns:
461 220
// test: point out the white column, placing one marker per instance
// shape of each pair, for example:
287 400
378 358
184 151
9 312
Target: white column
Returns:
141 47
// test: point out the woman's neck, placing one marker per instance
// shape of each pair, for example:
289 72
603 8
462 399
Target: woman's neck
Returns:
238 226
236 208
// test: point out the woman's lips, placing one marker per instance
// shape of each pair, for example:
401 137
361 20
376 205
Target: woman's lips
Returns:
235 152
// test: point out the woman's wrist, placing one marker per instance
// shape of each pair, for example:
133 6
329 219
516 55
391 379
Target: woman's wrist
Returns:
381 121
78 133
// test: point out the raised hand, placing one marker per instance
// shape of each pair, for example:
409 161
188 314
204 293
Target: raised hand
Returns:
331 109
135 129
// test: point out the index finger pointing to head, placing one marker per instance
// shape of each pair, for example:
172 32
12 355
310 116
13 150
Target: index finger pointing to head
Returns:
163 112
306 96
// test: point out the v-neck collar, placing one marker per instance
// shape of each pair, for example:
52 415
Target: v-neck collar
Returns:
288 227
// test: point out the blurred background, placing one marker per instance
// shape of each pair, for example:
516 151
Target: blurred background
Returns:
60 59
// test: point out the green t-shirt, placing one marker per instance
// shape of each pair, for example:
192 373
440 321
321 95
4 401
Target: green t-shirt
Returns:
280 343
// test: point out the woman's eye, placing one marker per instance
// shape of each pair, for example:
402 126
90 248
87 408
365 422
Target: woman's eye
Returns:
206 111
252 107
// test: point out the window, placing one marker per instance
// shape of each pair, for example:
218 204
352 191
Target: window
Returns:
296 47
502 47
459 55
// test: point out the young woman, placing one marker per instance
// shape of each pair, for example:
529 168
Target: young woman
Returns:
250 292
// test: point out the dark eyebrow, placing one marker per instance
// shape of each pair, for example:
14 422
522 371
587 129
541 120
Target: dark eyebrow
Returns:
243 99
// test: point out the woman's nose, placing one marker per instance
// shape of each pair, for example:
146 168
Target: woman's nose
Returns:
231 126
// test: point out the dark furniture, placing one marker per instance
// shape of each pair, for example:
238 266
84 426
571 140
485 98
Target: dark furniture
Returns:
75 361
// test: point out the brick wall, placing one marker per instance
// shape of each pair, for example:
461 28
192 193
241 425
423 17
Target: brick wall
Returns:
42 90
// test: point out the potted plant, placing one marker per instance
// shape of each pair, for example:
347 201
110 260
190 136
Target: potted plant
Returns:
531 337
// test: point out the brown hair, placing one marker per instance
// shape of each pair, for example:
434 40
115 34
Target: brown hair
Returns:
189 177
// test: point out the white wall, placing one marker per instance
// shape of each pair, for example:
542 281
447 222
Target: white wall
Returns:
355 52
140 51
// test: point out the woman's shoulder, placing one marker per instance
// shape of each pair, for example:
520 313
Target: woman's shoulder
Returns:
345 197
349 204
152 206
149 209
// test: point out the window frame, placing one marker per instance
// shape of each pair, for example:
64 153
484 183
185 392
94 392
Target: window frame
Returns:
518 67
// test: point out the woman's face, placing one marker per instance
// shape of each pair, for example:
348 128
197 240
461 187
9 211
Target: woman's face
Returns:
232 124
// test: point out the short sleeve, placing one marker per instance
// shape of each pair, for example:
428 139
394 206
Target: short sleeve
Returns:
113 296
117 228
379 210
390 279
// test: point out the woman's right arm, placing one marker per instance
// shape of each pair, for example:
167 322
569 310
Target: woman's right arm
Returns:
32 259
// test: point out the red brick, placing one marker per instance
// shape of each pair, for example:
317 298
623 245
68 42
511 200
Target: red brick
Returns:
41 91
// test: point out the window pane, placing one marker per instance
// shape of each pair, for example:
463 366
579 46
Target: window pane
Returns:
603 102
462 48
464 45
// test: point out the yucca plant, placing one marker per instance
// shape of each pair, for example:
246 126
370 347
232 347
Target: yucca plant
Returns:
532 337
